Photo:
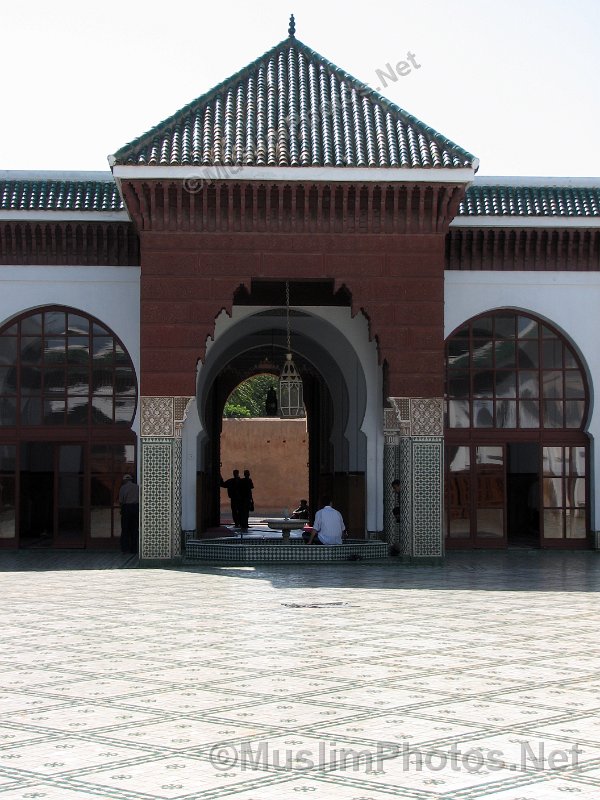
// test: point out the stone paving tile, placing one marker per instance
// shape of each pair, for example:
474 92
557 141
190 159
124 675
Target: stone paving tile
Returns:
204 683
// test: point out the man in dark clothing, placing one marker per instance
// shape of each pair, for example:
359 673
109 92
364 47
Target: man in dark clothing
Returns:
129 500
233 492
246 486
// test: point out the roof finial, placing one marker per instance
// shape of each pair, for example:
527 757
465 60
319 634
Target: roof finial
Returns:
292 26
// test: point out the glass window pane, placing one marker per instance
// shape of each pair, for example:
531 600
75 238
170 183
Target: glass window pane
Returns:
125 381
483 384
102 380
77 410
490 523
552 383
505 326
506 414
458 486
552 351
55 351
102 409
505 354
553 523
528 354
574 410
31 380
529 383
54 411
483 327
8 350
32 325
121 356
575 493
8 411
102 349
458 414
8 457
8 380
529 414
78 349
506 384
553 461
78 381
31 410
102 490
124 458
99 330
576 457
101 522
31 350
570 360
482 353
55 381
553 414
553 492
574 388
575 524
78 324
124 409
54 323
458 353
483 413
70 524
527 328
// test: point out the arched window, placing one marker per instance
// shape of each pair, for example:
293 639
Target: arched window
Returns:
507 369
516 451
60 367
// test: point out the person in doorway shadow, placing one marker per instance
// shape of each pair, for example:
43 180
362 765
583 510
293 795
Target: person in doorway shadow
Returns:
233 492
129 500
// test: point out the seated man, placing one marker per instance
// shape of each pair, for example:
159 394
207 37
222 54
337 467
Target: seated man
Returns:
328 527
302 511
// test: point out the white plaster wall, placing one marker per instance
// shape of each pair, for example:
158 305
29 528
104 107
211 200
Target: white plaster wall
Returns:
569 300
112 294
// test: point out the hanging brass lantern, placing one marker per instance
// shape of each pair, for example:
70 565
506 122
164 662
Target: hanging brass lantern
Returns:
291 399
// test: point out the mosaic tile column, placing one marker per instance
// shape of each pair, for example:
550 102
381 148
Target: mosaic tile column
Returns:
160 500
414 448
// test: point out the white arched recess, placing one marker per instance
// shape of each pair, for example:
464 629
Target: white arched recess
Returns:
339 348
568 300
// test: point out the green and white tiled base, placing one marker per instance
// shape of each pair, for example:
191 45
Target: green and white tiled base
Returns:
260 550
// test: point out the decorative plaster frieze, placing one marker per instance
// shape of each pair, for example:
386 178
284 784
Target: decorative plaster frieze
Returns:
415 416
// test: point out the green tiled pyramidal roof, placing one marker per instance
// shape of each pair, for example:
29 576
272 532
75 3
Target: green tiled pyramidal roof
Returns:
293 108
530 201
46 193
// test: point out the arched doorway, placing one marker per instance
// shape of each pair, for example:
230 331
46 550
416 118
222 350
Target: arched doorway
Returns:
68 396
343 394
273 449
516 449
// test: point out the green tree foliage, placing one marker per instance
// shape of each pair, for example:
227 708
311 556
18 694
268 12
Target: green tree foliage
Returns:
248 399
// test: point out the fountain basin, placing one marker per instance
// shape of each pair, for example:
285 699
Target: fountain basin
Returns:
266 549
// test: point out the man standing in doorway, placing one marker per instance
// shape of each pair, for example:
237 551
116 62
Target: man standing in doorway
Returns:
129 500
233 492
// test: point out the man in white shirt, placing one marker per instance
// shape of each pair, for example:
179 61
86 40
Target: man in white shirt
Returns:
328 526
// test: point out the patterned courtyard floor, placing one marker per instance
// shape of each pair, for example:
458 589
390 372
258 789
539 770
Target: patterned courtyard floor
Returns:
352 681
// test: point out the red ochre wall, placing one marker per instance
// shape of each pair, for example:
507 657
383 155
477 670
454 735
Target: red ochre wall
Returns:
188 278
276 453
